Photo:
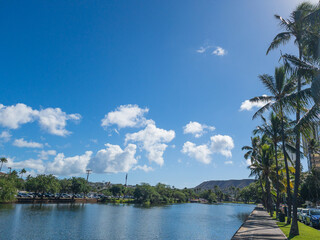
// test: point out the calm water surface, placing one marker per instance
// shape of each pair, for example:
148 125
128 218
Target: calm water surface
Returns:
107 221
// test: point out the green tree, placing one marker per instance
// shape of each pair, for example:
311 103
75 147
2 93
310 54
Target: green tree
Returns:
273 130
117 190
43 184
7 189
79 185
65 185
253 154
297 27
279 86
22 171
3 160
262 167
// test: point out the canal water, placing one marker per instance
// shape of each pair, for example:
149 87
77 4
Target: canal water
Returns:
108 221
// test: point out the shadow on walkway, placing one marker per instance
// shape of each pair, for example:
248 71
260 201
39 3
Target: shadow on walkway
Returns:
259 226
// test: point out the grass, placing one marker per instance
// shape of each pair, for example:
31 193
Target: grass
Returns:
306 232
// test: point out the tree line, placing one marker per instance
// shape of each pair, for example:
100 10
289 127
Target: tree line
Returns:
143 193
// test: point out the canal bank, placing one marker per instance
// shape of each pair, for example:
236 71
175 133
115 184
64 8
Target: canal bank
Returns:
259 226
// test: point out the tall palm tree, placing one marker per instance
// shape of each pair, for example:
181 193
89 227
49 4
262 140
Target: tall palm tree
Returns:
297 27
22 171
273 131
262 167
279 86
3 160
252 154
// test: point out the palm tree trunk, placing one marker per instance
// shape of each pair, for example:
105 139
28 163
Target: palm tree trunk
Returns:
263 193
1 166
287 169
277 183
294 230
269 199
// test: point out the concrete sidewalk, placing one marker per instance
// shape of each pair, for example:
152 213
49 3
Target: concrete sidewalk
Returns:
259 225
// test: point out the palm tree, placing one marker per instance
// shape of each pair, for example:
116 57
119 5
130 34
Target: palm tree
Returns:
22 171
252 154
262 167
3 160
279 86
297 27
273 131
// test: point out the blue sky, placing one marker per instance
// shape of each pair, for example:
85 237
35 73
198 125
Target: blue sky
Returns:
144 68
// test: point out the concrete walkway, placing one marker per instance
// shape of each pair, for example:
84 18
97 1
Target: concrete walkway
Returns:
259 226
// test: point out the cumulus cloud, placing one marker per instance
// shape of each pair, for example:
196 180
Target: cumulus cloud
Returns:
14 116
126 116
23 143
34 164
44 155
66 166
219 51
153 141
113 159
248 106
202 153
197 129
5 136
222 144
218 144
52 120
143 168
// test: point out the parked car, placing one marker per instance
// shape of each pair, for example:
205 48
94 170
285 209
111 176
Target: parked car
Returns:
302 214
24 195
313 217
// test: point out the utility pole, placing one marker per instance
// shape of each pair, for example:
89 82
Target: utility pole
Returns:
88 173
9 169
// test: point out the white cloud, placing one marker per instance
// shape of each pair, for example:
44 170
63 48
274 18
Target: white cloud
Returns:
228 162
52 120
5 136
248 106
113 159
14 116
219 51
126 116
201 153
153 141
66 166
23 143
143 168
222 144
202 49
34 164
44 155
196 129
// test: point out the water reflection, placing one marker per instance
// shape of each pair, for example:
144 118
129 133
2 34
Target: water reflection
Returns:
120 221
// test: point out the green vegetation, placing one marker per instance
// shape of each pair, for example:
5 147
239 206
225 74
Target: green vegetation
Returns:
306 232
294 92
142 193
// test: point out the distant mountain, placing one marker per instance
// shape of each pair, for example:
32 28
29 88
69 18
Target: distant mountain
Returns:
224 184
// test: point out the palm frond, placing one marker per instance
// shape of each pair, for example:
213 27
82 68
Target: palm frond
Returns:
281 38
269 83
262 110
310 118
